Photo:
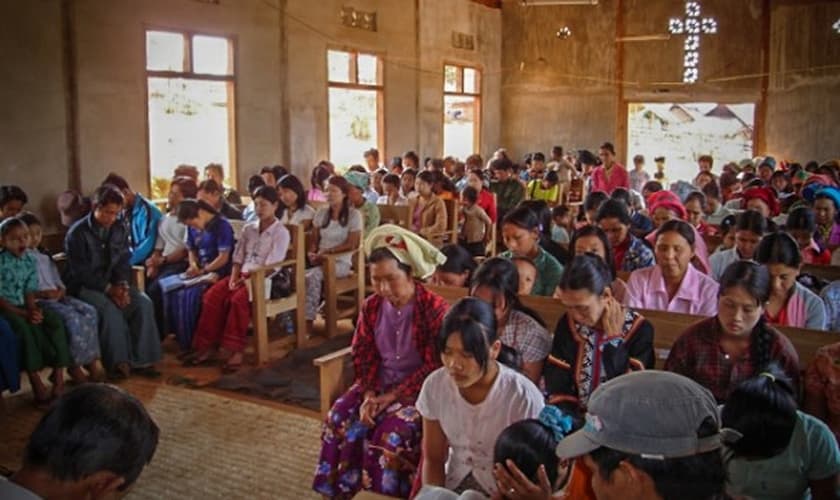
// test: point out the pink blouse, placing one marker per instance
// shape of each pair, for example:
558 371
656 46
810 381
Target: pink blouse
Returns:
698 293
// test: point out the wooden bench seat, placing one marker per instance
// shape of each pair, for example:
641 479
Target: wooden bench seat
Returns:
336 368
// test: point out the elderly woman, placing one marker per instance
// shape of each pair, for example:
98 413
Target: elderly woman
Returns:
664 206
371 437
673 284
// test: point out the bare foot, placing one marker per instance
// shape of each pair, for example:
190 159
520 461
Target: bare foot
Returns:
57 379
77 374
97 372
38 388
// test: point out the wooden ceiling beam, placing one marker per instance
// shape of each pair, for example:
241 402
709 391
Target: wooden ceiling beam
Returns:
496 4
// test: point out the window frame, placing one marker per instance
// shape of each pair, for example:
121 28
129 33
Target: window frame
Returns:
189 74
479 71
379 88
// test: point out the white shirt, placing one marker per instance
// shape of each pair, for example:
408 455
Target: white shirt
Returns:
299 216
171 235
383 200
48 275
335 234
256 249
472 429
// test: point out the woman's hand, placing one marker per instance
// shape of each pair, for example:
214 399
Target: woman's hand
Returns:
193 271
513 485
34 315
613 319
235 282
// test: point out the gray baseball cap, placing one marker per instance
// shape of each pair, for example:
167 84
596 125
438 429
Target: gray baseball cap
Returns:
650 413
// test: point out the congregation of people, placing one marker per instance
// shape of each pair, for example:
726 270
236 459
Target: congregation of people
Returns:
480 398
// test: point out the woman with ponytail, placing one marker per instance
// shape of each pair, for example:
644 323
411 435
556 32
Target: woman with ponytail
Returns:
737 343
773 450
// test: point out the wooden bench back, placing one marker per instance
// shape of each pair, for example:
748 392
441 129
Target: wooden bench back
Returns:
668 326
828 273
395 214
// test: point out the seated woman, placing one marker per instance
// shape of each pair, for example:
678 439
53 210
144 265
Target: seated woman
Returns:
791 304
629 253
596 340
826 210
226 308
521 232
591 205
293 207
590 239
664 206
457 270
472 386
170 255
673 284
391 191
695 208
780 452
737 344
371 437
427 210
337 230
518 327
802 225
750 227
486 200
209 243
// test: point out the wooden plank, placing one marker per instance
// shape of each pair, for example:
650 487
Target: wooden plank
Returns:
259 315
395 214
828 273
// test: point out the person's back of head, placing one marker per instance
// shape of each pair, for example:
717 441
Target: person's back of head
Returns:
94 440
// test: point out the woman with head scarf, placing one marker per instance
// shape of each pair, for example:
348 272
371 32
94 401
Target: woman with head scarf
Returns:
664 206
371 437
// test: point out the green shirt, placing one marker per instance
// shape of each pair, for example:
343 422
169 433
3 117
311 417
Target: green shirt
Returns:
18 277
370 214
811 455
549 272
508 193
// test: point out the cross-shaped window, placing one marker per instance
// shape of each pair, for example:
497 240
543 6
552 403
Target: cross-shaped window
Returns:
692 26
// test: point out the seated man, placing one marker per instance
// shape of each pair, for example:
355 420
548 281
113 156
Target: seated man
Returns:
142 218
93 443
98 273
215 171
211 192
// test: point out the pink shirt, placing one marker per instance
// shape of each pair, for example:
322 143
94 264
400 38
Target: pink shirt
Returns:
698 293
256 249
618 178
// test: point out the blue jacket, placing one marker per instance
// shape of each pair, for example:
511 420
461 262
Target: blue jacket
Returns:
143 224
96 257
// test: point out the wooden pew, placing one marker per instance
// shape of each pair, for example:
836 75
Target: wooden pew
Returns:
263 307
336 368
828 273
395 214
336 290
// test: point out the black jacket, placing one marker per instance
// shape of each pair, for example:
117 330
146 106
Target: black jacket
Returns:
94 262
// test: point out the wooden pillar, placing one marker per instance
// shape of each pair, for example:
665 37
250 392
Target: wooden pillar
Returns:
759 132
71 95
620 139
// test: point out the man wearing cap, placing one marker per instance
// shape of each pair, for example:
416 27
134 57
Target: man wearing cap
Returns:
373 430
358 185
648 435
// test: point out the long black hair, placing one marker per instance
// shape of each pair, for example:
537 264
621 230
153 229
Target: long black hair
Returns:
680 227
502 279
343 215
475 321
587 272
763 410
291 183
458 261
779 248
754 279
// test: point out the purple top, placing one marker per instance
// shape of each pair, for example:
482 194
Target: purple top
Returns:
394 342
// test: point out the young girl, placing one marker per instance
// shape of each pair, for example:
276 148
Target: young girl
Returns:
497 282
407 180
521 233
737 344
427 210
336 229
318 181
40 334
80 319
596 340
226 309
527 274
727 232
750 227
590 239
293 207
12 201
802 225
210 243
781 452
472 386
790 304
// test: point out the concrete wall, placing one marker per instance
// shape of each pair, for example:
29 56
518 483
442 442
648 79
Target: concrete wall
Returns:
33 129
281 82
573 92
